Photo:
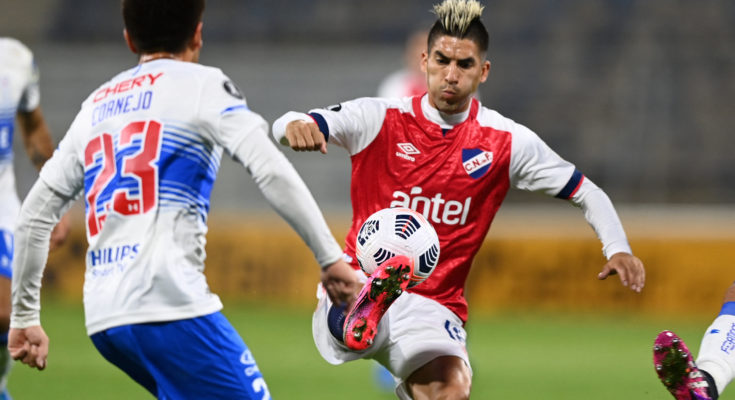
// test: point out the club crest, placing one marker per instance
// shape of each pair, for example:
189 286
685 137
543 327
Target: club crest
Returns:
476 162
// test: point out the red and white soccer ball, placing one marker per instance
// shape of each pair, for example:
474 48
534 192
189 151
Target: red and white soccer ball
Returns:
398 231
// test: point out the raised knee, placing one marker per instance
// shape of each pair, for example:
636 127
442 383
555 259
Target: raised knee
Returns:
454 387
457 391
454 390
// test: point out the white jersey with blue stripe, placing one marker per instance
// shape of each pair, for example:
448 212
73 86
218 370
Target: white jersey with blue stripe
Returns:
18 92
144 151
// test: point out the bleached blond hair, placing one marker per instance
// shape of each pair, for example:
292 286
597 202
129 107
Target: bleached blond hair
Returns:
457 15
460 19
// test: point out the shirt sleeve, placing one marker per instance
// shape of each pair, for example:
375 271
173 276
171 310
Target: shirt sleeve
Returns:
352 125
41 210
244 134
224 112
64 171
534 166
602 217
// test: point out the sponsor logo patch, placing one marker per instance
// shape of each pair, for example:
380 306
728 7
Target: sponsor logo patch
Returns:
232 90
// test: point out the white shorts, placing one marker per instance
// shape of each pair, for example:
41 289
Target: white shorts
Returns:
414 331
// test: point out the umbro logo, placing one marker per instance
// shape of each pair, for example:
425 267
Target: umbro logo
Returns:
407 149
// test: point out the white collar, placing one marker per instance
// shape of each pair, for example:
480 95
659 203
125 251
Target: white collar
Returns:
445 121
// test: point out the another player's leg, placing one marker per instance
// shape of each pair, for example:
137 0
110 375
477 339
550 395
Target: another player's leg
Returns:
715 366
201 357
386 283
717 351
114 345
677 370
6 256
6 363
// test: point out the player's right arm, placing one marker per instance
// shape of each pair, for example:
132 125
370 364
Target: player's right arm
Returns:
352 124
244 134
60 180
41 211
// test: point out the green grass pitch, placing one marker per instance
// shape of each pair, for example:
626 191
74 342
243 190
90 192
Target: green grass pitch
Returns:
514 356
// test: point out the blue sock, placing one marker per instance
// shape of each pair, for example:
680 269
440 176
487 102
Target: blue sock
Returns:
728 308
336 321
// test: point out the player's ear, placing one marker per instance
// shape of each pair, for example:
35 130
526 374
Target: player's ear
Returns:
424 60
129 42
196 40
485 70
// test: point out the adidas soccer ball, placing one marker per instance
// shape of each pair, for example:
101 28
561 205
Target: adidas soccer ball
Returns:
398 231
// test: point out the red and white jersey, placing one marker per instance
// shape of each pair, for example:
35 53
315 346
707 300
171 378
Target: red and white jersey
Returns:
454 169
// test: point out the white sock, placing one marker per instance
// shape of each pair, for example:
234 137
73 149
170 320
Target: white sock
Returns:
717 352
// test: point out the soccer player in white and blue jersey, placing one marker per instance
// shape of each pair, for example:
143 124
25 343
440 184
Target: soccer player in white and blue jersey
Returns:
19 98
143 152
714 368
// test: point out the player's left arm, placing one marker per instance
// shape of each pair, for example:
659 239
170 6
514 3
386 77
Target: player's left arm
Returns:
601 215
351 125
244 135
536 167
36 136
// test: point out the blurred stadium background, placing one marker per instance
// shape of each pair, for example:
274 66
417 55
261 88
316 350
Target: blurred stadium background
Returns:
639 94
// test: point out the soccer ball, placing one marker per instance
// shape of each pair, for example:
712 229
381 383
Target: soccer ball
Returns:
398 231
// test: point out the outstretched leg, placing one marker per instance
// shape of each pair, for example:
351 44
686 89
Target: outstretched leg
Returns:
717 352
387 282
678 372
713 370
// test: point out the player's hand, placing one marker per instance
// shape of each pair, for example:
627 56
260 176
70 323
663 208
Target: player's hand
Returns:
29 346
305 136
341 283
629 267
60 232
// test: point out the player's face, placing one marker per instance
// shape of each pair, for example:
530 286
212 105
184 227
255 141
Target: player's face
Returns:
454 68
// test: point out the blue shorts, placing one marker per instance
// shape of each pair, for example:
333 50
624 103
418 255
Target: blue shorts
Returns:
6 253
198 358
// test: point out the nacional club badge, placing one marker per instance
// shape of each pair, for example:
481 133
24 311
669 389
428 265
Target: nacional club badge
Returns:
476 162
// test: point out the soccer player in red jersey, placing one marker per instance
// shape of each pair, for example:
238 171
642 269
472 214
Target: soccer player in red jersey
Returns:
446 156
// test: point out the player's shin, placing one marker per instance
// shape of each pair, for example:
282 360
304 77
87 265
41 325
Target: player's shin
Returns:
717 352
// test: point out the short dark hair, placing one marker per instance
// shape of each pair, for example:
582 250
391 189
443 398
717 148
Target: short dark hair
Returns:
161 25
